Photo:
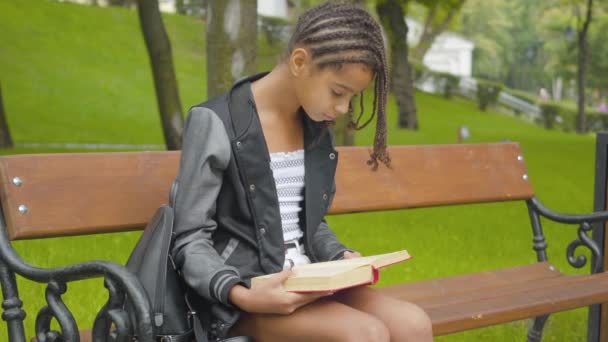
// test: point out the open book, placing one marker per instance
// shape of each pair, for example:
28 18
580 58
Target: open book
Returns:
339 274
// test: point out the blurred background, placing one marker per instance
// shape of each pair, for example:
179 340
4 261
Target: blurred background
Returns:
119 75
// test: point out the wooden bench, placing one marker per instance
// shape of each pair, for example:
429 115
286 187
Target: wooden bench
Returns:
50 195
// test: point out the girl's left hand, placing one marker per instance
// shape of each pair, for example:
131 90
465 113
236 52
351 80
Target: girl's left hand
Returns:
351 255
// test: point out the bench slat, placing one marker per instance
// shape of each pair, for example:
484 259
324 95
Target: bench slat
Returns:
463 299
498 301
448 287
431 175
570 294
83 193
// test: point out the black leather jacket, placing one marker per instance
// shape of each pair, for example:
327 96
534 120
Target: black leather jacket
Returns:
227 220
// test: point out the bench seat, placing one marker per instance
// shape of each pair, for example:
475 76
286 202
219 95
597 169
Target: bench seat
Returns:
477 300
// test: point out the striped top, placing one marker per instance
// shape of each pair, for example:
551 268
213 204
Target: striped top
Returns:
288 171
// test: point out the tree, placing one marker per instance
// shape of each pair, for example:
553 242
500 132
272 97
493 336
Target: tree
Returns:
391 15
598 56
524 58
582 59
231 42
440 14
165 83
491 37
5 135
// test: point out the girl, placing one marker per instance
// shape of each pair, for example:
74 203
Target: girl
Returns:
257 177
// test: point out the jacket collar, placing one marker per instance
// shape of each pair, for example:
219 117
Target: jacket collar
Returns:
250 149
241 108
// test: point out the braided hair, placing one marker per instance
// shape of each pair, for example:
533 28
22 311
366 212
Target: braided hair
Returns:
339 33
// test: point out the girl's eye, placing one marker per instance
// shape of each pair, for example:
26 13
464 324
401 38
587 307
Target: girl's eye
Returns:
337 94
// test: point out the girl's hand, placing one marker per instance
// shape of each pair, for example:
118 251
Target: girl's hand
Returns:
270 296
351 255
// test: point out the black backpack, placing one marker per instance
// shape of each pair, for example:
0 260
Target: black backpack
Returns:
172 316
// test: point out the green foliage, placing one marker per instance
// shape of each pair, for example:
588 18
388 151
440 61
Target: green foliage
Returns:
418 70
598 59
550 111
487 93
275 29
447 82
195 8
522 95
596 121
563 115
487 24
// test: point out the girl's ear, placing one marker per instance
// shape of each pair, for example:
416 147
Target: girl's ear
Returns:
299 62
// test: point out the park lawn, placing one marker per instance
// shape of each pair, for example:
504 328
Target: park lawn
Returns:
73 73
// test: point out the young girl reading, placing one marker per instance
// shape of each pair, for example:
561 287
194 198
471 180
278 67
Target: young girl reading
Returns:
257 177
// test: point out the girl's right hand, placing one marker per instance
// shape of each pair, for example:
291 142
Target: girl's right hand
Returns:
270 296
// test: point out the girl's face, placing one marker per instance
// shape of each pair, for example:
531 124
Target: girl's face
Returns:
326 93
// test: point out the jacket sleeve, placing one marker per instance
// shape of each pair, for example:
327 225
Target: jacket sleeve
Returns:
325 243
205 155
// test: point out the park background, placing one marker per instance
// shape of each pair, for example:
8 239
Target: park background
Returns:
78 78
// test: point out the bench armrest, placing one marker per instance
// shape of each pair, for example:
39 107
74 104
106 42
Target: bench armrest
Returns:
584 221
118 280
599 216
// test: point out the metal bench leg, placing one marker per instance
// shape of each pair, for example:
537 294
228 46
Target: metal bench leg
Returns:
13 314
536 331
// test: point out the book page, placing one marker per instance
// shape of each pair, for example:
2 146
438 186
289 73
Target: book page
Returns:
332 268
377 261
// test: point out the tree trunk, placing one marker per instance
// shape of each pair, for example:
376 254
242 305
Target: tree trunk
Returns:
165 83
391 16
581 119
430 33
5 134
231 43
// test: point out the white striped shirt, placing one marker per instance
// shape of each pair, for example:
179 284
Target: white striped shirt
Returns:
288 171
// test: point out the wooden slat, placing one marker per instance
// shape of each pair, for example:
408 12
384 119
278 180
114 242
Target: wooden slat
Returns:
82 193
466 283
568 293
431 175
481 299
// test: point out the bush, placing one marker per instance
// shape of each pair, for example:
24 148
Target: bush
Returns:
596 121
447 82
522 95
549 114
487 93
555 114
275 29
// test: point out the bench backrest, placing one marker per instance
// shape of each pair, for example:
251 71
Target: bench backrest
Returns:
82 193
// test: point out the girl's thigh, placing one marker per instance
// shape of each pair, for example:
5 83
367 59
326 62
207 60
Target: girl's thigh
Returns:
405 321
323 320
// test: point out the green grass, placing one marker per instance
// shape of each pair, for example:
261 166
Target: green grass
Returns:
73 73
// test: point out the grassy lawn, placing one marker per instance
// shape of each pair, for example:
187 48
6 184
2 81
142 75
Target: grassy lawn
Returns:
73 73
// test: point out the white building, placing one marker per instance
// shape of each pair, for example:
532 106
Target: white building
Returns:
273 8
270 8
450 51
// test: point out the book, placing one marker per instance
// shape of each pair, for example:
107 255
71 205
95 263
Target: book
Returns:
339 274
